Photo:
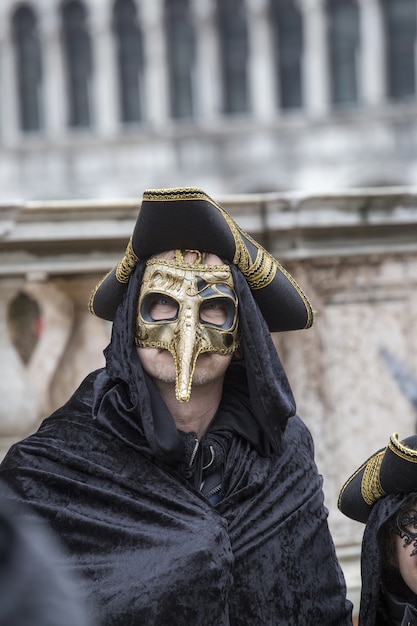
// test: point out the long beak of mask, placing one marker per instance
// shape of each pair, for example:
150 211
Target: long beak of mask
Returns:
187 309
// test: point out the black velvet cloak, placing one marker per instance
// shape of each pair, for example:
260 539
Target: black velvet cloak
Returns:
121 486
384 595
34 590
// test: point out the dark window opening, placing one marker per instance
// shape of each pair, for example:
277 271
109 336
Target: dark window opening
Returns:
286 21
78 57
179 31
29 69
234 50
129 60
400 30
343 37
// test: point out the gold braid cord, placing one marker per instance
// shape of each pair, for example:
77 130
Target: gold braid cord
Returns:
93 293
263 271
182 193
371 487
399 449
259 273
127 264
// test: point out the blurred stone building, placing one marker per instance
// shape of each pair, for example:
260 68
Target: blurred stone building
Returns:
103 98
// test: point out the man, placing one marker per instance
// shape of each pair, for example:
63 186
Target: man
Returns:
179 477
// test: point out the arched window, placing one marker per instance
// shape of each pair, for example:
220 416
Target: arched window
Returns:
287 28
234 49
343 37
179 33
400 29
77 49
29 68
129 60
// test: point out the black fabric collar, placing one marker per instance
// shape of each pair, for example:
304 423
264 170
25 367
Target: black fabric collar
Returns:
233 416
398 609
111 408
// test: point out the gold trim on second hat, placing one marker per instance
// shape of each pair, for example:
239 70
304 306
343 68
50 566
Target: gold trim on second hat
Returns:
399 449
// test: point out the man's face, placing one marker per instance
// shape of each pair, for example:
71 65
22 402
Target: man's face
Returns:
187 324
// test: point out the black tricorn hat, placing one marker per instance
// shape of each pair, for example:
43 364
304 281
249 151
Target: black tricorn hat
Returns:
390 470
188 219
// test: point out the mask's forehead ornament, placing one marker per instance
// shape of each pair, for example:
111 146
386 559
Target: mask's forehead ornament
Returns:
187 309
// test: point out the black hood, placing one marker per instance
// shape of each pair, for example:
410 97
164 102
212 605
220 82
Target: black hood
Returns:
259 378
377 579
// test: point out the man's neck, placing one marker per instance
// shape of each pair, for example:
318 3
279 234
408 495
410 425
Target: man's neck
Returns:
196 414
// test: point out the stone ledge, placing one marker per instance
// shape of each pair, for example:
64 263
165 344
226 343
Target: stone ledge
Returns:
87 236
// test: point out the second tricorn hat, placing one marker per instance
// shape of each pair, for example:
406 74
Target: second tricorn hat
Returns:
390 470
188 219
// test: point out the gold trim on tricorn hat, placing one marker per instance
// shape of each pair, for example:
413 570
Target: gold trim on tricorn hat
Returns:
187 218
392 469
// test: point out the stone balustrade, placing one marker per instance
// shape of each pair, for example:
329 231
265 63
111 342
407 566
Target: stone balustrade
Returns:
353 374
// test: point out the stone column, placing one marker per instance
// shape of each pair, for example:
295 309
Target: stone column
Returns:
106 114
208 76
316 59
57 318
372 45
88 337
19 401
262 76
156 79
53 72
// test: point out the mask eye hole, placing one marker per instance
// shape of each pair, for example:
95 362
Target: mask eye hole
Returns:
157 307
217 312
407 522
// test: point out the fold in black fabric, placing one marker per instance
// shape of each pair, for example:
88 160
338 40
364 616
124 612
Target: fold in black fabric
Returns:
122 487
34 589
